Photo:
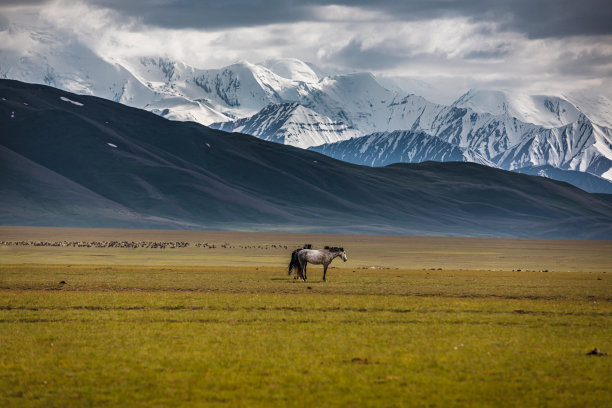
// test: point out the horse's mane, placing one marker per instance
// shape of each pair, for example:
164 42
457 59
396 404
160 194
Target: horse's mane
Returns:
334 249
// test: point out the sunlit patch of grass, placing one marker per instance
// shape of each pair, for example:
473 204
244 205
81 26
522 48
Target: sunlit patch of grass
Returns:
173 336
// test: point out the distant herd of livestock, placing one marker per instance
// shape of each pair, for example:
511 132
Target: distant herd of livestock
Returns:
136 244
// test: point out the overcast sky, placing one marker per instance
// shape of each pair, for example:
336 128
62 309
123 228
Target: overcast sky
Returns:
547 46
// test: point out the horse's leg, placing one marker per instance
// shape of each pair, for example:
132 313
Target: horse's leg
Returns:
301 266
304 275
325 265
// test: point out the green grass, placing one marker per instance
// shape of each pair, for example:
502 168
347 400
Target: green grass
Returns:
248 335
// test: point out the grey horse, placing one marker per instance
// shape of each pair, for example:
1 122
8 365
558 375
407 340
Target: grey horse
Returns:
319 257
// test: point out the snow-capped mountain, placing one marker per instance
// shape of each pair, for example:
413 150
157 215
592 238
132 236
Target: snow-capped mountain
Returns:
292 68
292 102
291 124
73 67
235 91
581 146
172 88
144 83
597 108
541 110
487 134
497 139
400 146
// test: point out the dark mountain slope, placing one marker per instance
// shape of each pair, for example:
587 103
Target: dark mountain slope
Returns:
104 164
586 181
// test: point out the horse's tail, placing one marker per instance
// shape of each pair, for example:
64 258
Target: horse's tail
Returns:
294 263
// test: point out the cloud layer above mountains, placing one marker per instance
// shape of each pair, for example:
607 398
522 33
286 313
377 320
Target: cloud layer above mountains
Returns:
541 46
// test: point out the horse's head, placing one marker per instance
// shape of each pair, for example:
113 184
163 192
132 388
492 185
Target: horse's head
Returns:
337 251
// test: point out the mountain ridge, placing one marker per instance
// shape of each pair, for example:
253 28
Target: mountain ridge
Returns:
568 147
385 148
151 172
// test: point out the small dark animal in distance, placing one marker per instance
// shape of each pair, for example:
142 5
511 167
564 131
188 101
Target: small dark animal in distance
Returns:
596 352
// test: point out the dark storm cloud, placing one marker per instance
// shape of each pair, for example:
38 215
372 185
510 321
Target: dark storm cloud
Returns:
200 14
211 15
355 55
9 3
584 63
499 51
4 22
535 18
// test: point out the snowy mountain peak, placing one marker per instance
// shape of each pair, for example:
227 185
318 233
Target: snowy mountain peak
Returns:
483 101
164 66
291 68
542 110
362 81
291 123
597 108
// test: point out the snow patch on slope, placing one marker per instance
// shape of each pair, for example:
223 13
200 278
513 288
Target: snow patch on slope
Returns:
63 98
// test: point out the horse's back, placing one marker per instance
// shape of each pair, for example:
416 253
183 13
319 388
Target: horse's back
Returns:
312 255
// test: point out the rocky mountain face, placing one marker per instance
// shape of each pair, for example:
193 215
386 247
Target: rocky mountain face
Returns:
400 146
290 124
578 147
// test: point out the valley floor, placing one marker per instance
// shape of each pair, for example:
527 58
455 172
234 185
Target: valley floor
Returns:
407 321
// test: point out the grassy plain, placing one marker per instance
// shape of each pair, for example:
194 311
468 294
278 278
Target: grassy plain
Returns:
438 322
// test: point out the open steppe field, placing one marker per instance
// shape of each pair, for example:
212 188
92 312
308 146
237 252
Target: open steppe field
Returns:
407 321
